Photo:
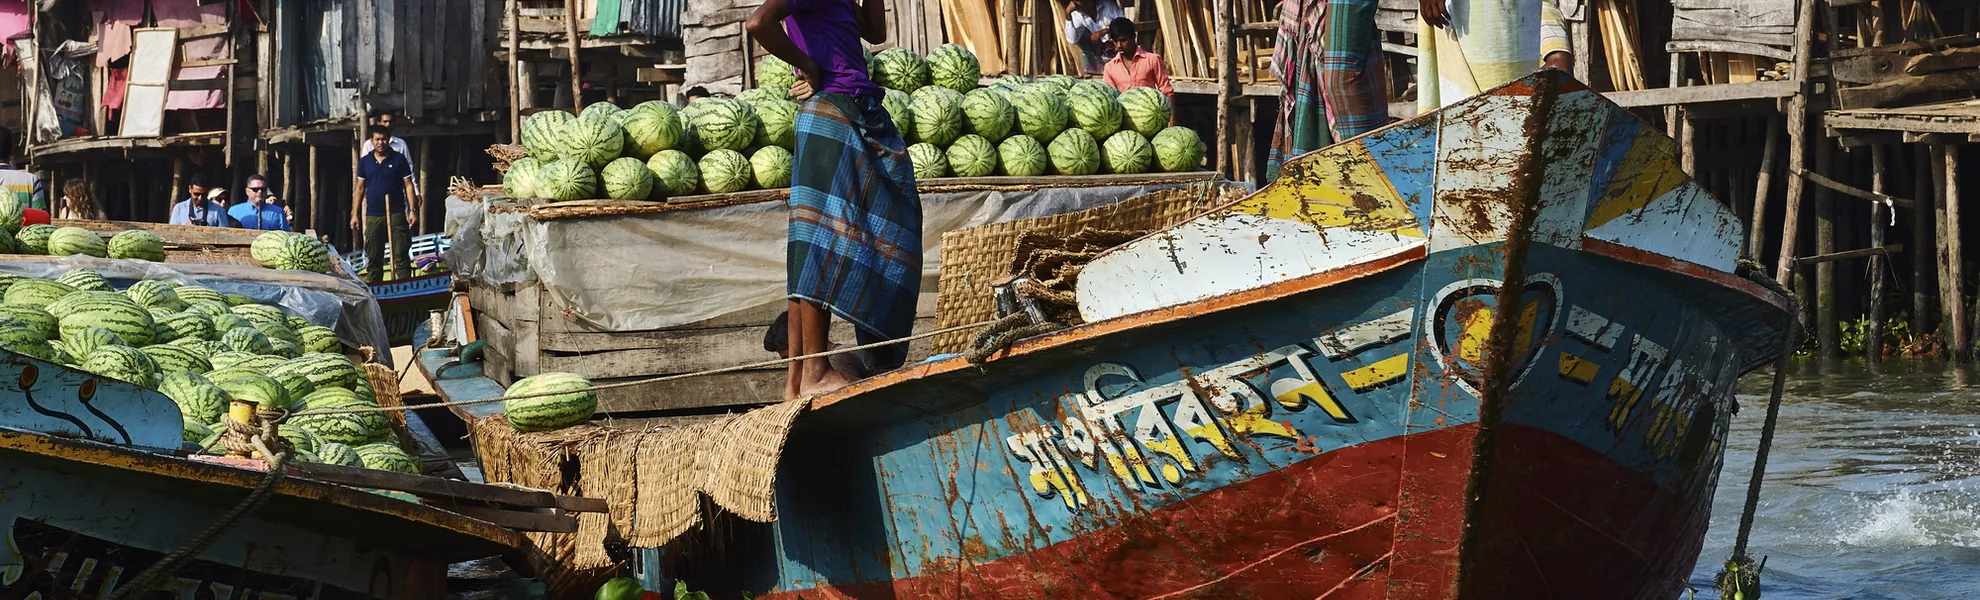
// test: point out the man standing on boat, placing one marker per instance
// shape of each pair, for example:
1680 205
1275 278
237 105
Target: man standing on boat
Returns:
855 226
379 206
1470 46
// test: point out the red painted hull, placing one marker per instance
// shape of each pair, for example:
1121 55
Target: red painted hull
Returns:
1563 521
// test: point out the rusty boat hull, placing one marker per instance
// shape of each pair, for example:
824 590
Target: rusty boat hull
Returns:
1315 393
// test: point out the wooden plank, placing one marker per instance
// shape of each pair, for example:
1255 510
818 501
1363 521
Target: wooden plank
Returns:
517 520
367 45
1704 93
562 334
740 390
1888 92
1830 257
696 350
1947 60
1862 70
1852 191
435 487
204 30
1729 46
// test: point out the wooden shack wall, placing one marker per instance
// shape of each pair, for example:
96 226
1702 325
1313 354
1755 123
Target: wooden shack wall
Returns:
427 58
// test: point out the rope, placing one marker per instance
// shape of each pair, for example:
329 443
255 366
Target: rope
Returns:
651 380
148 581
1741 578
1002 333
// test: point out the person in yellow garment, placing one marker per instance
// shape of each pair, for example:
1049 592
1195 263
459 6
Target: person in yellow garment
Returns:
1470 46
24 186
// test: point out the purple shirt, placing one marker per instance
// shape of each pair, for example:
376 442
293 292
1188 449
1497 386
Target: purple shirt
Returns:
827 31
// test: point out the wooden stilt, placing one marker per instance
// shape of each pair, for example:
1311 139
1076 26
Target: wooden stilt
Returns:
515 85
425 153
178 189
289 196
1948 295
1226 84
1961 340
1797 118
319 205
1873 339
1922 236
1826 328
571 30
1756 234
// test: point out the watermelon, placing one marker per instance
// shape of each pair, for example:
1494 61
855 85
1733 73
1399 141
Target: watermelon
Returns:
384 456
600 109
987 114
327 398
1075 152
172 359
953 67
1022 156
724 124
121 317
770 167
155 294
11 212
33 318
1177 148
317 338
232 359
137 244
938 116
36 293
690 141
594 139
776 123
929 161
68 304
261 390
123 363
567 179
1097 114
86 280
33 239
302 440
9 245
900 109
543 133
1127 152
236 299
724 171
972 156
771 70
323 371
284 348
197 397
267 246
209 308
352 428
674 174
555 411
1041 113
204 348
246 339
303 253
1094 86
899 68
191 294
278 331
1065 83
626 179
1147 110
7 280
176 326
258 313
650 127
294 384
70 241
520 180
335 453
1010 82
26 341
196 431
296 323
59 353
80 344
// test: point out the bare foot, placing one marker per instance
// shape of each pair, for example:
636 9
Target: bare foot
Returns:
830 381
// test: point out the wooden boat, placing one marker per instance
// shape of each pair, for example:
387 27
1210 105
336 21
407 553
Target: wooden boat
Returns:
406 302
1324 391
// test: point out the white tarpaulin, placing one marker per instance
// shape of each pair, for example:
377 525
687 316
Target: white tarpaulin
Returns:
656 270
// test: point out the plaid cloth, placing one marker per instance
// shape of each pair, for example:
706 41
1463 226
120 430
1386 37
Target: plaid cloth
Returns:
1336 87
855 232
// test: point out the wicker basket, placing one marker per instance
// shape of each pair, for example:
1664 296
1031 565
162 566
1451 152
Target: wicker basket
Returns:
973 258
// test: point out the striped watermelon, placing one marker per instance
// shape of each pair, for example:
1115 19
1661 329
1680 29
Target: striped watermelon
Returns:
68 304
277 330
33 239
204 348
209 308
37 319
316 338
11 212
724 124
26 341
323 370
262 390
228 322
724 171
86 280
542 134
342 455
384 456
152 293
172 359
194 294
80 343
567 179
123 318
265 247
196 431
178 326
295 324
350 428
70 241
600 109
650 127
197 397
9 245
325 398
283 348
260 313
294 383
230 358
124 363
246 339
303 441
302 253
7 280
236 299
36 293
594 139
60 353
550 412
137 244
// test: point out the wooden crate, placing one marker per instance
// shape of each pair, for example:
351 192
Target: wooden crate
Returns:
527 334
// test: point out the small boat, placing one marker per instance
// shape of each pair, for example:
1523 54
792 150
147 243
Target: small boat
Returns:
1328 390
406 302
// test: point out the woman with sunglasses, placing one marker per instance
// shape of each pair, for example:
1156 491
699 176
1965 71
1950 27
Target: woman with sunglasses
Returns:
260 211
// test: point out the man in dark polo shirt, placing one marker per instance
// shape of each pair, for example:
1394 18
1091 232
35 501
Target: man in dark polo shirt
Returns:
384 186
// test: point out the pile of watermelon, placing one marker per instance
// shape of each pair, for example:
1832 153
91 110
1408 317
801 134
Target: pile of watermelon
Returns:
954 128
290 252
203 349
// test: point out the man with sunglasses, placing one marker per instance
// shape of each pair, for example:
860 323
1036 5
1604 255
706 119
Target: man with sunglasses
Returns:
260 211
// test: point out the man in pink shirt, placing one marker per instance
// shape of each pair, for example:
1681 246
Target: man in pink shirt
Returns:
1131 66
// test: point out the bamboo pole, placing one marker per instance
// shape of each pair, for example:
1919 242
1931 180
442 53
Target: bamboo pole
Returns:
1756 243
1922 239
1226 84
1827 336
1797 138
1873 343
571 30
1961 342
515 66
1947 294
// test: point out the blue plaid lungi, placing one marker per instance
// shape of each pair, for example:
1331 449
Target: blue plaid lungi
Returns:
855 229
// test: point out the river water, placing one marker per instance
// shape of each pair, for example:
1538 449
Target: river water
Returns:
1872 490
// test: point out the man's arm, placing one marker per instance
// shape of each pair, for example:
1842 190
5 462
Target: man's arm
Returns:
357 205
1555 50
766 25
412 205
872 18
1162 85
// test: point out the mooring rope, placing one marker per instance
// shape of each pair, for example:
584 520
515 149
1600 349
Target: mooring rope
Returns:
651 380
1741 578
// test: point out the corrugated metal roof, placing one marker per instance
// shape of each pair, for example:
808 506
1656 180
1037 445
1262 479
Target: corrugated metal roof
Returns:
657 18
